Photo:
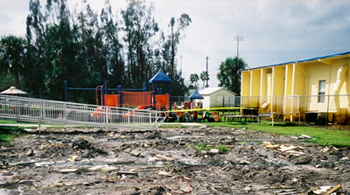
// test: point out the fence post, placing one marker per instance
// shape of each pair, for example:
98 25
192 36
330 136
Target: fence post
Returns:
129 116
44 113
327 112
64 117
223 101
41 115
16 108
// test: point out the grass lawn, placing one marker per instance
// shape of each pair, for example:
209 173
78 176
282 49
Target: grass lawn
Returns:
7 133
322 136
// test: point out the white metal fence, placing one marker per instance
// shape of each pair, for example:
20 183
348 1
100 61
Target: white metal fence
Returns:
58 112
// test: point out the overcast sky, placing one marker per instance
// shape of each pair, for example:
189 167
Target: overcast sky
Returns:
273 31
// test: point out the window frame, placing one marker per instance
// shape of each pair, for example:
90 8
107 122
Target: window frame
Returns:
321 92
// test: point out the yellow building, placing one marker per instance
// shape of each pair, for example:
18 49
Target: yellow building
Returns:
318 85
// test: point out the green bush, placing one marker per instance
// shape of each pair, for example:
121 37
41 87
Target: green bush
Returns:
222 148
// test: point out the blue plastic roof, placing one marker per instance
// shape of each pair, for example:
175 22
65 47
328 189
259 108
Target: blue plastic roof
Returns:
299 61
195 95
160 77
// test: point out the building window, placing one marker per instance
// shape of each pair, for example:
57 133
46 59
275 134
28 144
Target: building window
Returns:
321 91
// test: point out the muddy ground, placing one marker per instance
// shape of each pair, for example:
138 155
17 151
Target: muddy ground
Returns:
168 161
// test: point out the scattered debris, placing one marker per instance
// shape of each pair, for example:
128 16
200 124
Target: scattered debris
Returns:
108 169
96 168
283 148
68 170
330 191
164 157
143 161
305 136
135 152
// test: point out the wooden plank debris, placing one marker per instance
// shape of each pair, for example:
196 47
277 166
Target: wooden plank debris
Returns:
285 148
96 168
68 170
306 136
108 169
164 157
333 189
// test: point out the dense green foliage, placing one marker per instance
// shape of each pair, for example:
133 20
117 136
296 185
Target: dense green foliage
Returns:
194 78
229 75
12 57
8 133
204 76
87 49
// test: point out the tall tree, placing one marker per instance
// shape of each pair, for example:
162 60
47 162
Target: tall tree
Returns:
36 25
182 23
12 56
139 28
64 51
229 75
114 57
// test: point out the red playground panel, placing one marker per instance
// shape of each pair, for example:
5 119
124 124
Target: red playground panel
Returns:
112 100
162 101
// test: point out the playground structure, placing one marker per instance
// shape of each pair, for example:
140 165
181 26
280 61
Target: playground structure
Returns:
139 98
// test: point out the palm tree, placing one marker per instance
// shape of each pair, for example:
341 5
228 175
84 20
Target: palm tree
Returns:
194 78
205 77
229 75
12 56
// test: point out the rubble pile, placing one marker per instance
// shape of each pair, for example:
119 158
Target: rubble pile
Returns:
195 160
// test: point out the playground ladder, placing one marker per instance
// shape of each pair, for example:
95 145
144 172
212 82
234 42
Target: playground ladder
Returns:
59 112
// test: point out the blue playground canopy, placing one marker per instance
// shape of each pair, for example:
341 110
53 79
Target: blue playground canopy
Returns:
160 77
195 95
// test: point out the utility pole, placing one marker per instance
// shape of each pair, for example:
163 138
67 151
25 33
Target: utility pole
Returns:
207 72
238 38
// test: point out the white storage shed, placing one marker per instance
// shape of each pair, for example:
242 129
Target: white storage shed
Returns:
213 97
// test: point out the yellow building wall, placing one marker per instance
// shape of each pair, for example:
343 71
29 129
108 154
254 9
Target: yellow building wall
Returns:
254 83
262 83
278 77
254 87
278 74
245 88
317 72
299 79
289 79
245 83
288 103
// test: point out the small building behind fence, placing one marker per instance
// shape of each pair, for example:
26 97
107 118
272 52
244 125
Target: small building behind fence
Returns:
213 97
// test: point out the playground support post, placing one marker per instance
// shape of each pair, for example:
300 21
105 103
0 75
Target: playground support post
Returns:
170 97
144 87
65 90
120 96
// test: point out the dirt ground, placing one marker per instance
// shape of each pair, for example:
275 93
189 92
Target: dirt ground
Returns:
168 161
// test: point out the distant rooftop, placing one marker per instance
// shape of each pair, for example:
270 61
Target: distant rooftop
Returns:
304 60
208 91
